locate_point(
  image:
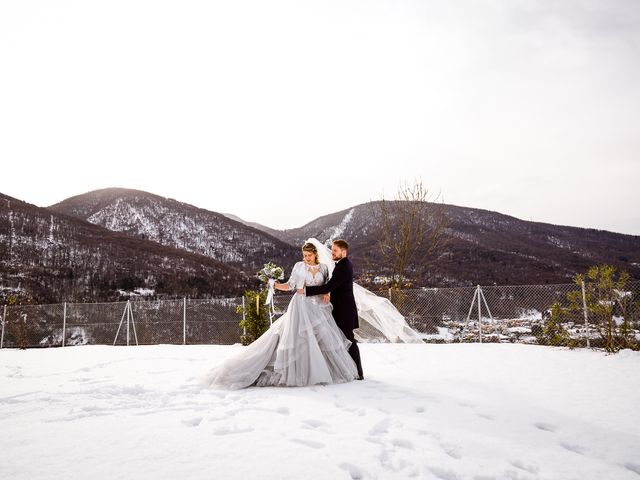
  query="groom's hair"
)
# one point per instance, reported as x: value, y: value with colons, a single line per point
x: 341, y: 244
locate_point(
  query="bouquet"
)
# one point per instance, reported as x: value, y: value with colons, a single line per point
x: 271, y: 272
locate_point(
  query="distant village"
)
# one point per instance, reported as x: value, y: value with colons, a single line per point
x: 514, y: 330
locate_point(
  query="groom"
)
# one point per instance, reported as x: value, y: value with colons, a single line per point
x: 340, y: 286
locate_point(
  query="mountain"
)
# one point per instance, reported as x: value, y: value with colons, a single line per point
x: 483, y: 247
x: 92, y: 246
x: 179, y: 225
x: 258, y: 226
x: 54, y: 257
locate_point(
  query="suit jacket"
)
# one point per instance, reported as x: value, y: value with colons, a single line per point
x: 340, y: 286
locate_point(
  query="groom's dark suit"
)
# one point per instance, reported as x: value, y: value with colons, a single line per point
x: 344, y: 312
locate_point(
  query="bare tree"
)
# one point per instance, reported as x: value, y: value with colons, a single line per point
x: 412, y: 230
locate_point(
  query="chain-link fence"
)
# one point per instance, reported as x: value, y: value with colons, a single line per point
x: 536, y: 314
x: 211, y: 321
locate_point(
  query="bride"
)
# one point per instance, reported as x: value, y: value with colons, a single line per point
x: 303, y: 347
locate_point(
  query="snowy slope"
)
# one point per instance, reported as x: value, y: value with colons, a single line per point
x: 176, y: 224
x: 449, y: 412
x: 483, y: 247
x: 54, y: 257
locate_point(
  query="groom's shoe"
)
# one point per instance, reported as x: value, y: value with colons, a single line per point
x: 360, y: 377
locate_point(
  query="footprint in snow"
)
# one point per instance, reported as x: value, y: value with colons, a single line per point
x: 486, y: 416
x: 633, y: 467
x: 192, y: 422
x: 572, y: 447
x: 435, y: 435
x: 522, y: 466
x: 400, y: 442
x: 443, y: 474
x: 389, y: 462
x: 232, y: 430
x: 356, y: 473
x: 313, y: 423
x: 547, y: 427
x: 381, y: 427
x: 452, y: 451
x: 308, y: 443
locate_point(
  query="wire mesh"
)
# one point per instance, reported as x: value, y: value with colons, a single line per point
x: 214, y: 321
x: 93, y: 323
x: 33, y: 326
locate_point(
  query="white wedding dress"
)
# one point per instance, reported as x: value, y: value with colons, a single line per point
x: 303, y: 347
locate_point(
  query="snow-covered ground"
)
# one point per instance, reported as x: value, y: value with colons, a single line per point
x: 449, y: 412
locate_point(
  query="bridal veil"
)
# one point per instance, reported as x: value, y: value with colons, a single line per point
x: 379, y: 319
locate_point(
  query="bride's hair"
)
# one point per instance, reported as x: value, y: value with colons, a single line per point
x: 310, y: 247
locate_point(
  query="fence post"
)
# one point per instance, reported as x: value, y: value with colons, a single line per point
x: 586, y: 315
x: 184, y: 321
x: 4, y: 318
x: 390, y: 290
x: 64, y: 323
x: 479, y: 314
x: 244, y: 317
x: 128, y: 315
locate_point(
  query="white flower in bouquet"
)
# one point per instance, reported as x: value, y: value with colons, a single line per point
x: 271, y: 272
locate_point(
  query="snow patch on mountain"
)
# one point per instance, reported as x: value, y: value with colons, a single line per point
x: 188, y: 228
x: 163, y: 225
x: 558, y: 242
x: 338, y: 230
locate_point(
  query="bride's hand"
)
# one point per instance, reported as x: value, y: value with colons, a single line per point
x: 326, y: 298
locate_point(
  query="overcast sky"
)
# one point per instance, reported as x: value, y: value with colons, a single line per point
x: 283, y: 111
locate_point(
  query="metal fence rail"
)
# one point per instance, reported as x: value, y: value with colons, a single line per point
x: 442, y: 315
